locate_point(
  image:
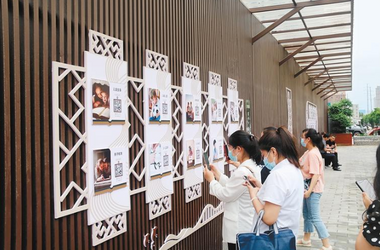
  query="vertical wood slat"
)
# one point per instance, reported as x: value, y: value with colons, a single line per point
x: 203, y: 33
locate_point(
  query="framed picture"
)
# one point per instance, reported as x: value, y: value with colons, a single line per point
x: 100, y: 100
x: 102, y: 171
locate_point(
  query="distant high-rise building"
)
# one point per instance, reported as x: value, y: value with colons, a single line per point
x: 376, y: 99
x: 355, y: 114
x: 337, y: 97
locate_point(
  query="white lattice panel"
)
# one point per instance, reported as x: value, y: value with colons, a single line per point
x: 108, y: 229
x: 232, y: 84
x: 104, y: 45
x: 69, y: 122
x: 157, y: 61
x: 190, y: 71
x: 193, y: 192
x: 241, y: 115
x: 208, y: 214
x: 215, y: 79
x: 160, y: 207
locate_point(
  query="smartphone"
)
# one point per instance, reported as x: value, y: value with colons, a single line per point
x: 205, y: 158
x: 366, y: 186
x: 226, y: 152
x: 246, y: 179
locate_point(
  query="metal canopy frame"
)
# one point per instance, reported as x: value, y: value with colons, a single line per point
x: 317, y: 34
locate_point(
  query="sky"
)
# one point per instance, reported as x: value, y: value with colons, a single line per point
x: 366, y: 51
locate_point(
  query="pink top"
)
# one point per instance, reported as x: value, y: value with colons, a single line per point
x: 312, y: 163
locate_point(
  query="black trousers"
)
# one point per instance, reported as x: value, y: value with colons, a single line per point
x: 231, y: 246
x: 330, y: 158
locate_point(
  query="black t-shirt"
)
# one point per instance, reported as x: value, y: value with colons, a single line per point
x: 371, y: 228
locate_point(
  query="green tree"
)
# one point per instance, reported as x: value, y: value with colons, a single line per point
x: 372, y: 118
x: 340, y: 114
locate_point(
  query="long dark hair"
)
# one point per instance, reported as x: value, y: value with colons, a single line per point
x: 248, y: 142
x: 283, y: 142
x: 315, y: 137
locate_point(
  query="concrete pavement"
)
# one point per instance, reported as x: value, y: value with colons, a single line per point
x: 341, y: 202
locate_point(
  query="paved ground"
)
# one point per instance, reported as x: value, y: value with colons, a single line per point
x: 341, y: 202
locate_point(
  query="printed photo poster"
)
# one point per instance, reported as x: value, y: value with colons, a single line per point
x: 158, y: 134
x: 107, y: 137
x: 233, y: 114
x: 192, y: 128
x: 311, y: 116
x: 159, y: 160
x: 290, y: 112
x: 216, y: 154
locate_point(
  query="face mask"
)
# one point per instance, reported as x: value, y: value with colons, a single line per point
x: 269, y: 165
x: 303, y: 143
x: 232, y: 157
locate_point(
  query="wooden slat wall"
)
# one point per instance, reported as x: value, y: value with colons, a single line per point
x: 215, y: 35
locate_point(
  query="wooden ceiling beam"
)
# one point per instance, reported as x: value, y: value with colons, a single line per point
x: 311, y: 28
x: 326, y: 55
x: 308, y: 66
x: 301, y: 39
x: 319, y: 85
x: 326, y: 59
x: 290, y: 5
x: 296, y: 46
x: 330, y: 68
x: 312, y: 79
x: 311, y: 16
x: 330, y: 96
x: 306, y: 51
x: 327, y: 92
x: 276, y: 23
x: 291, y: 55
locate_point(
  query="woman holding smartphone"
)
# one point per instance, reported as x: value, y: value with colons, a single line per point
x: 281, y: 195
x: 313, y: 171
x: 369, y: 235
x: 238, y: 211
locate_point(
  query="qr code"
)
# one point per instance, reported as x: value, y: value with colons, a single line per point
x: 196, y: 110
x: 117, y: 105
x: 219, y: 112
x: 166, y: 161
x: 220, y: 149
x: 118, y: 169
x: 165, y: 110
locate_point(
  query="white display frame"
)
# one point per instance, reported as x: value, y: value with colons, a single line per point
x: 311, y: 115
x: 289, y: 105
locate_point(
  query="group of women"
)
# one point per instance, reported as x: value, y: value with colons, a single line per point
x: 294, y: 184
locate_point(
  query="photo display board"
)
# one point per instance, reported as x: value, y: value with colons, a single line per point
x: 192, y: 127
x: 158, y: 134
x: 216, y: 142
x: 233, y: 110
x: 311, y: 116
x: 290, y: 111
x: 107, y: 130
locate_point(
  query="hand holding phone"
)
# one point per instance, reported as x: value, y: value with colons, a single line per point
x: 366, y: 186
x: 205, y: 158
x: 248, y: 181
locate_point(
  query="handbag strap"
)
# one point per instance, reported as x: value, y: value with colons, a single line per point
x: 256, y: 228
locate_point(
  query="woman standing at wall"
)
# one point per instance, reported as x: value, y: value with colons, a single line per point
x: 313, y: 171
x: 281, y: 195
x: 238, y: 211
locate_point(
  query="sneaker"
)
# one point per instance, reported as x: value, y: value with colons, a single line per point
x: 339, y: 164
x: 303, y: 243
x: 337, y: 169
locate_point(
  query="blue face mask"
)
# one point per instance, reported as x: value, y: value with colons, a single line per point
x: 269, y: 165
x: 303, y: 143
x: 232, y: 158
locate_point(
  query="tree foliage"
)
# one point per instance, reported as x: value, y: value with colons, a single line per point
x: 372, y: 118
x: 340, y: 114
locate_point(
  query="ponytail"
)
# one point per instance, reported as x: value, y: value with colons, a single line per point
x: 282, y: 140
x: 248, y: 142
x: 315, y: 138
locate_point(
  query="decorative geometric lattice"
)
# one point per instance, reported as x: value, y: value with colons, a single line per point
x: 177, y: 129
x: 208, y: 214
x: 232, y: 84
x: 241, y: 113
x: 205, y: 127
x: 108, y: 229
x: 104, y: 45
x: 214, y: 79
x: 157, y: 61
x: 190, y: 71
x: 193, y: 192
x: 59, y: 145
x: 160, y: 207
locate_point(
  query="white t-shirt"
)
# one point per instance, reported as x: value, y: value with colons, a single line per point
x: 284, y: 187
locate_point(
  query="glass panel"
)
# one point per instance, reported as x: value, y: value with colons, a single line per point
x: 333, y: 45
x: 290, y: 35
x: 330, y: 31
x: 288, y: 25
x: 270, y: 15
x: 262, y: 3
x: 326, y: 8
x: 334, y: 51
x: 328, y: 20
